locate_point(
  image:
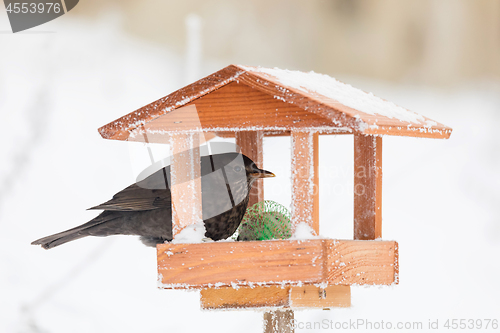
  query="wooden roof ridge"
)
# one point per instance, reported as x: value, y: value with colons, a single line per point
x: 364, y: 113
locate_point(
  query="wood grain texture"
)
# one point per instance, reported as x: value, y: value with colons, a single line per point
x: 305, y: 179
x: 234, y: 107
x: 251, y: 145
x: 244, y: 297
x: 151, y: 132
x: 240, y: 263
x: 362, y: 262
x: 367, y: 187
x: 310, y: 296
x: 185, y: 173
x: 316, y: 110
x: 283, y: 263
x: 306, y: 296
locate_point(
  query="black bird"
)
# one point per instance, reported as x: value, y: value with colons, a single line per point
x: 144, y: 208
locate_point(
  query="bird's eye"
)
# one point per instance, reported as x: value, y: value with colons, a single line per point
x: 238, y: 168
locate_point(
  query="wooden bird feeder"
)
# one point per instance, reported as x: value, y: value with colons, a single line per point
x: 248, y: 103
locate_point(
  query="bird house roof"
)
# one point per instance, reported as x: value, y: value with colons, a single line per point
x: 242, y: 98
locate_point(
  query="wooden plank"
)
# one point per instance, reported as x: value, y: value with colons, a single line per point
x: 367, y: 186
x: 439, y: 132
x: 305, y: 179
x: 150, y: 133
x: 244, y: 297
x: 240, y: 263
x: 310, y: 296
x: 225, y: 134
x: 251, y: 145
x: 306, y: 296
x: 185, y: 171
x: 279, y: 321
x: 277, y: 262
x: 362, y: 262
x: 234, y: 107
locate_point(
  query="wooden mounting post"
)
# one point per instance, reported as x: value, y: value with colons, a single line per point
x: 367, y: 187
x: 185, y: 173
x: 305, y: 191
x: 279, y: 321
x: 305, y: 179
x: 251, y: 145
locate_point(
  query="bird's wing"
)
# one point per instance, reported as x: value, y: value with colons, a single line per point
x: 136, y: 198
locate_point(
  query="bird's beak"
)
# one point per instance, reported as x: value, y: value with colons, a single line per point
x: 262, y: 174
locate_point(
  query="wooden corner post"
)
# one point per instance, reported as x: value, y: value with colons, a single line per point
x: 251, y: 145
x: 185, y: 172
x: 367, y: 187
x: 305, y: 179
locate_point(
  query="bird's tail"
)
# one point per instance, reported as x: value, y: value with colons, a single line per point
x: 58, y: 239
x: 74, y: 233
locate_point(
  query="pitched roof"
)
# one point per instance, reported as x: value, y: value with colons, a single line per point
x: 273, y: 100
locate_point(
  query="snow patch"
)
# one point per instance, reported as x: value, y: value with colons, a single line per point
x: 303, y: 231
x: 193, y: 233
x: 344, y: 93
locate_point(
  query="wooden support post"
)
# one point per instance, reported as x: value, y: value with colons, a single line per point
x: 305, y: 179
x: 185, y: 173
x: 305, y: 187
x: 251, y: 145
x: 279, y: 321
x: 367, y: 186
x: 316, y: 183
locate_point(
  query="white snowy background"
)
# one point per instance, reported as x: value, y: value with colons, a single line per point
x: 440, y: 197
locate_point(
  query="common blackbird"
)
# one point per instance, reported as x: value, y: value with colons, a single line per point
x: 144, y: 208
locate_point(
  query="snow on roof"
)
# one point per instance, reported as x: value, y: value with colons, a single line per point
x: 340, y: 105
x: 344, y: 93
